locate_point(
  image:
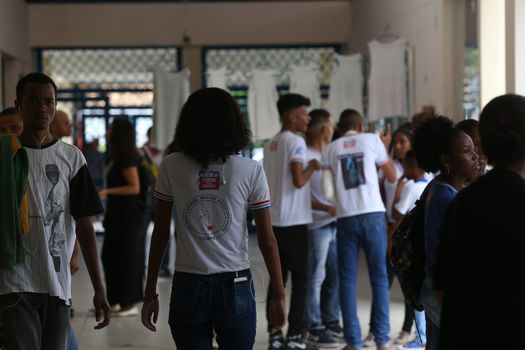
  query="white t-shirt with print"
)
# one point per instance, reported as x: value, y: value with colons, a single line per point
x: 320, y: 218
x: 354, y: 159
x: 60, y: 189
x: 410, y: 194
x: 212, y: 203
x: 291, y: 206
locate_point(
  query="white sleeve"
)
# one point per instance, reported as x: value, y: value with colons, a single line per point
x: 163, y: 190
x: 259, y: 197
x: 299, y: 151
x: 407, y: 199
x: 382, y: 155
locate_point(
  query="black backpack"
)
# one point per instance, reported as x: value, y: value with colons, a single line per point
x: 408, y: 253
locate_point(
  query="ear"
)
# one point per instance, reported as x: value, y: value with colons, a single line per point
x: 444, y: 160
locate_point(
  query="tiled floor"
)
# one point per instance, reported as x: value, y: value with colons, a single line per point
x: 128, y: 332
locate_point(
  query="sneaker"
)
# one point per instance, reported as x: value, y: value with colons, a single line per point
x: 368, y: 342
x: 134, y: 311
x: 402, y: 338
x: 319, y: 337
x: 296, y: 342
x: 386, y: 346
x: 413, y: 345
x: 336, y: 332
x: 276, y: 342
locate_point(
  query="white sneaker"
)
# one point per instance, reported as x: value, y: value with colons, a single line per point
x: 368, y: 342
x: 134, y: 311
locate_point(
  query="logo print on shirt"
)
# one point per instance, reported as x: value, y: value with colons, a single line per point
x: 349, y: 144
x: 273, y: 146
x: 209, y: 180
x: 299, y: 151
x: 207, y: 217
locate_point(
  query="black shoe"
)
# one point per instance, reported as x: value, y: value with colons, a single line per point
x: 276, y: 342
x: 297, y: 343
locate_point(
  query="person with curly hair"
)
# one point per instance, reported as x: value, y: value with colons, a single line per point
x: 440, y: 148
x: 212, y: 186
x: 482, y: 241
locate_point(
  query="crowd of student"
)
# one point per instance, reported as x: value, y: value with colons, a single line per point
x: 316, y: 201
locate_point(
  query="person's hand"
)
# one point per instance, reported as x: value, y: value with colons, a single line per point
x: 277, y: 313
x: 386, y: 137
x: 332, y: 211
x: 102, y: 194
x: 150, y: 309
x: 102, y: 308
x: 314, y: 164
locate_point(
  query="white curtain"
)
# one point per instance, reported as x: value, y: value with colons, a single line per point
x: 217, y: 78
x: 171, y: 90
x: 262, y: 104
x: 346, y: 85
x: 387, y: 85
x: 304, y: 81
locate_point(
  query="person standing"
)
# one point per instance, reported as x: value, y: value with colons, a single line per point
x: 123, y: 221
x: 353, y: 160
x: 35, y: 294
x: 288, y: 174
x: 323, y: 304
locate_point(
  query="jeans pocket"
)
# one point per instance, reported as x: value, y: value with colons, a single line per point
x: 238, y: 300
x: 184, y: 296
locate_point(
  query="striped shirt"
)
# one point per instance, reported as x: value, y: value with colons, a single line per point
x: 211, y: 204
x: 60, y: 189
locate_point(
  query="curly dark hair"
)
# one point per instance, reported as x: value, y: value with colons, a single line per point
x: 211, y: 127
x: 122, y: 140
x: 502, y: 130
x: 468, y: 126
x: 432, y: 139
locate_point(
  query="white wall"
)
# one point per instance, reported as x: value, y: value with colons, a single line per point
x: 433, y: 29
x: 13, y: 47
x: 224, y: 23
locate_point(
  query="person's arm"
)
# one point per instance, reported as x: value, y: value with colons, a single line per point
x: 301, y: 175
x: 86, y: 239
x: 131, y: 175
x: 159, y: 241
x: 270, y: 253
x: 327, y: 208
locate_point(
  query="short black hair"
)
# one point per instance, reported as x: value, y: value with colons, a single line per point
x: 432, y: 139
x: 350, y: 119
x: 502, y: 130
x: 9, y: 111
x: 468, y: 126
x: 36, y: 78
x: 290, y: 101
x: 211, y: 127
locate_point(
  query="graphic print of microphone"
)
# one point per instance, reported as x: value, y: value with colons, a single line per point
x: 53, y: 175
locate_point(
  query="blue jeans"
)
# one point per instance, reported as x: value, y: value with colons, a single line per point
x: 369, y: 231
x: 324, y: 280
x: 421, y: 326
x: 201, y: 304
x: 72, y: 343
x: 433, y: 311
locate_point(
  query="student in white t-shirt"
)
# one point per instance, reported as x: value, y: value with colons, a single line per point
x: 353, y: 160
x: 288, y: 174
x: 211, y: 187
x: 35, y: 292
x: 324, y: 311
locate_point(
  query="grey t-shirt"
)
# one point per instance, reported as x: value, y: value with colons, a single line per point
x: 211, y: 204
